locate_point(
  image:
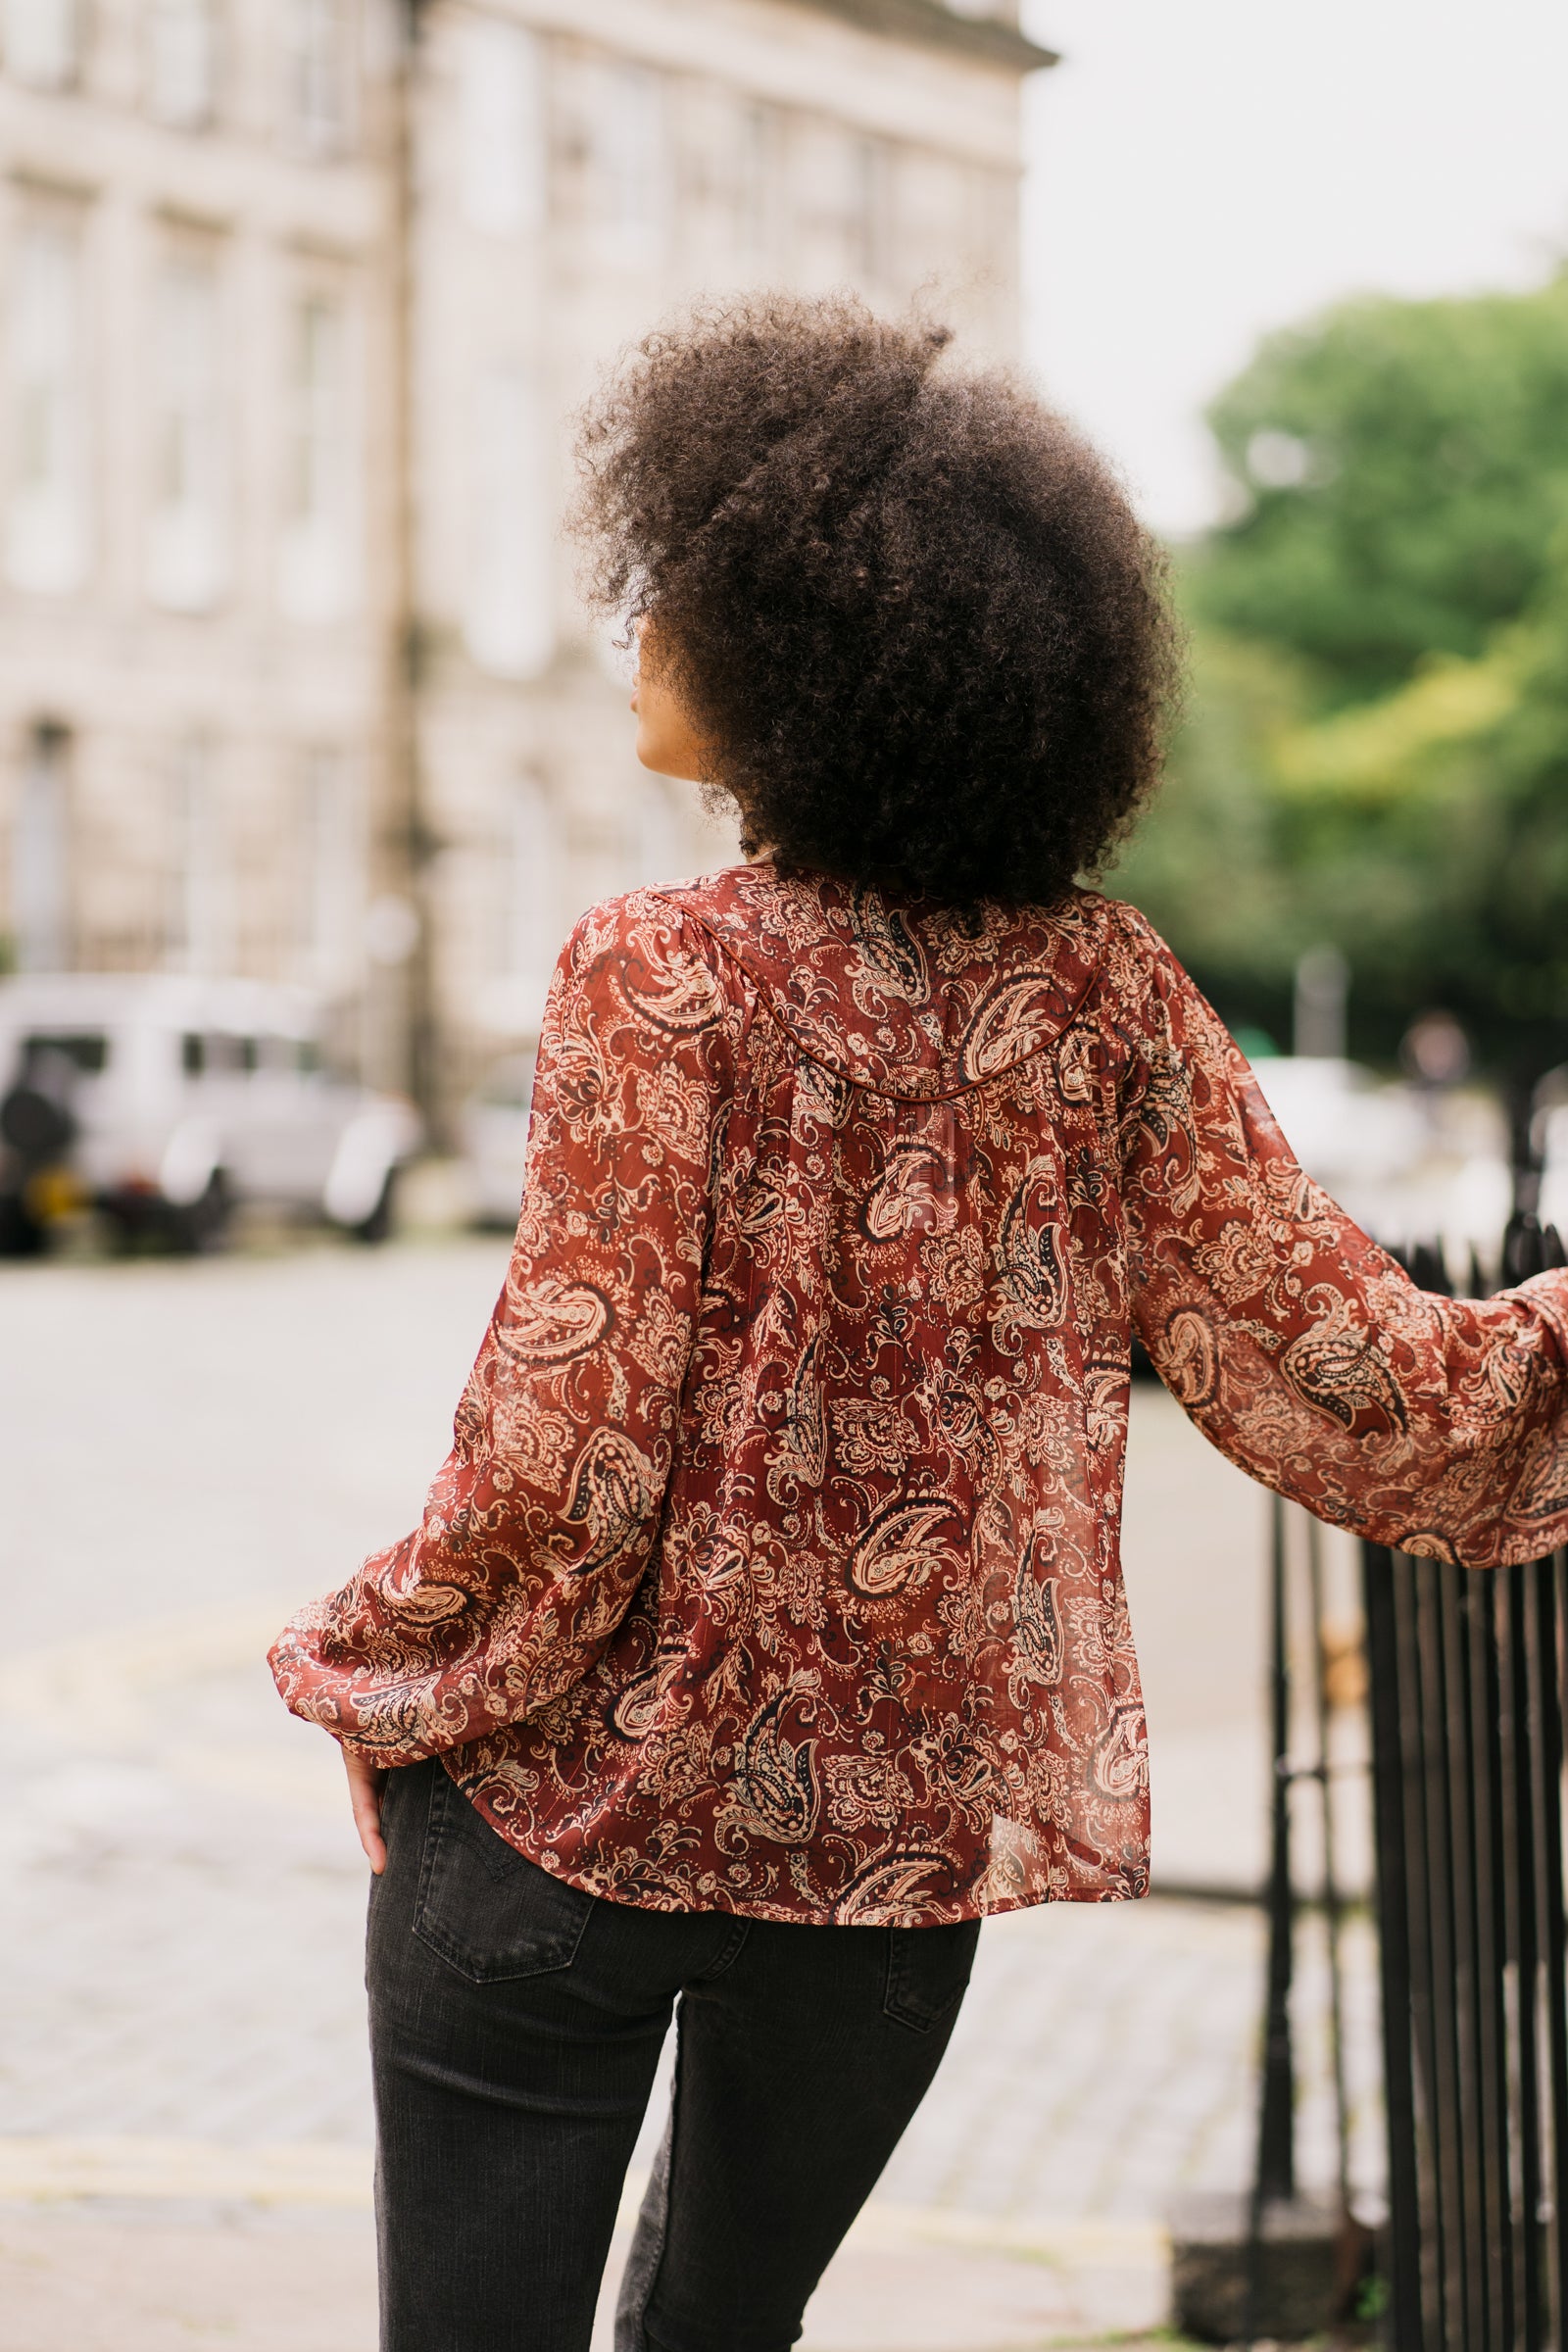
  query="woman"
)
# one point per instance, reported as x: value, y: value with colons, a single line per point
x: 765, y: 1628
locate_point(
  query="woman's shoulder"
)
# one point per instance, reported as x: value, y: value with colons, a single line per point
x: 667, y: 910
x: 646, y: 951
x: 1140, y: 965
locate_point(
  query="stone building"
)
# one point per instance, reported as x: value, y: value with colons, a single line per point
x: 194, y: 629
x: 297, y: 298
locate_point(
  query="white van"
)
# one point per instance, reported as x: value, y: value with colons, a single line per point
x: 160, y: 1101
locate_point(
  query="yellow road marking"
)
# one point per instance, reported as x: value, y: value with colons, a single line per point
x: 310, y: 2172
x: 321, y: 2172
x: 1085, y: 2243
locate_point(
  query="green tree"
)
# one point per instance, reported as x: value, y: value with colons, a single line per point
x: 1400, y: 471
x: 1431, y: 832
x: 1426, y: 834
x: 1210, y: 863
x: 1376, y: 753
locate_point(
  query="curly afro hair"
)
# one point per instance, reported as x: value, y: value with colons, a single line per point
x: 909, y: 610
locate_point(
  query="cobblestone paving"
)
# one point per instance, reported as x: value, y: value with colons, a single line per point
x: 190, y: 1448
x: 184, y: 1962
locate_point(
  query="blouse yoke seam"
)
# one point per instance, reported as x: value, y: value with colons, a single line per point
x: 892, y: 1094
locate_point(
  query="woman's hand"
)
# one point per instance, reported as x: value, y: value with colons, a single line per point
x: 366, y: 1784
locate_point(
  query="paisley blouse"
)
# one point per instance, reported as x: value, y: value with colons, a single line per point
x: 774, y: 1569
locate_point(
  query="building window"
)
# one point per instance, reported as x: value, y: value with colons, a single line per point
x: 629, y: 155
x: 319, y: 568
x: 331, y: 879
x: 185, y: 549
x: 759, y: 180
x: 200, y: 908
x: 527, y: 870
x: 319, y: 89
x: 531, y: 870
x: 40, y: 854
x: 503, y: 148
x: 47, y: 524
x: 42, y: 41
x: 872, y: 211
x: 182, y: 61
x: 510, y: 623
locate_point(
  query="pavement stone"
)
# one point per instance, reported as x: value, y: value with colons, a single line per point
x: 185, y: 2111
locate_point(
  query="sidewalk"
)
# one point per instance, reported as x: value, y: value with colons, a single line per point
x: 185, y: 2117
x: 292, y: 2281
x: 185, y: 2108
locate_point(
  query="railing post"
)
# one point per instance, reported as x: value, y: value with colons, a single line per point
x: 1276, y: 2137
x: 1406, y: 2331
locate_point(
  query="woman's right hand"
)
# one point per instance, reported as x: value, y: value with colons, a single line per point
x: 366, y: 1785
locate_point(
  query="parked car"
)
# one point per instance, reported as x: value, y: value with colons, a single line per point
x: 1409, y: 1164
x: 1344, y: 1124
x: 1550, y: 1136
x: 495, y: 1140
x: 162, y: 1100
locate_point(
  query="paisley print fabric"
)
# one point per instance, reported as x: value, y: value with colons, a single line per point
x: 774, y: 1569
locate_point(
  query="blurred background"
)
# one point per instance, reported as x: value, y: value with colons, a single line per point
x: 309, y: 759
x: 299, y: 303
x: 301, y: 298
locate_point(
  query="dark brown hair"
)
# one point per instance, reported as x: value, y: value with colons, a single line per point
x: 911, y: 612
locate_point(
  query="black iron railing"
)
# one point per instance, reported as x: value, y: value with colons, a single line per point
x: 1467, y: 1704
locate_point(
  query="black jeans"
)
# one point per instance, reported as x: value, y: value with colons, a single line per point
x: 515, y: 2027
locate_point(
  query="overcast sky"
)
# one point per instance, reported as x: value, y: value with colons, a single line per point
x: 1204, y: 169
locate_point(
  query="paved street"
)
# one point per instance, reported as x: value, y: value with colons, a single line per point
x: 184, y: 2102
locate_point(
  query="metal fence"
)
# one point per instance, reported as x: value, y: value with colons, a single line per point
x: 1468, y: 1683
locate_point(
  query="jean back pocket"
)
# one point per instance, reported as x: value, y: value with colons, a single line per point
x: 928, y: 1972
x: 484, y: 1908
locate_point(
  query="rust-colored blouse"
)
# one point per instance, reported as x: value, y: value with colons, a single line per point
x: 775, y: 1566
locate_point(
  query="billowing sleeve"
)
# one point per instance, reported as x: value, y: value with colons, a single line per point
x: 1299, y: 1347
x: 536, y: 1533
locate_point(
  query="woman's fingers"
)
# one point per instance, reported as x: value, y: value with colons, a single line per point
x: 366, y: 1784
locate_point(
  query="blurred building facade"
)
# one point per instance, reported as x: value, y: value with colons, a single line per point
x: 297, y: 298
